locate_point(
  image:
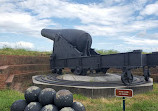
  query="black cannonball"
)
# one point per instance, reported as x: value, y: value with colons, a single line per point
x: 46, y: 96
x: 33, y: 106
x: 63, y: 98
x: 18, y: 105
x: 67, y: 109
x: 77, y: 106
x: 49, y: 107
x: 32, y: 93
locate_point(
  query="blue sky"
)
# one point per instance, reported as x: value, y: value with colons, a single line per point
x: 122, y: 25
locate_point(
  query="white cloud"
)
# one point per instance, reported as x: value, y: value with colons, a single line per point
x: 137, y: 41
x: 91, y: 13
x: 151, y: 9
x: 118, y: 29
x: 139, y: 4
x: 145, y: 35
x: 21, y: 23
x: 20, y: 44
x: 14, y: 19
x: 98, y: 19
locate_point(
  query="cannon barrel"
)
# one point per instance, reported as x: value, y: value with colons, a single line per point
x: 78, y: 38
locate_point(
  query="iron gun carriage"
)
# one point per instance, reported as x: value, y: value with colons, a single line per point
x: 72, y: 49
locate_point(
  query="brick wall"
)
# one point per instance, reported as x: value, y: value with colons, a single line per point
x: 16, y: 60
x: 22, y: 67
x: 3, y: 78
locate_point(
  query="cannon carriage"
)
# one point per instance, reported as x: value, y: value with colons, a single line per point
x: 72, y: 49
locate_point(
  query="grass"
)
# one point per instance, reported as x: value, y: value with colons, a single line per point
x: 26, y: 52
x: 7, y: 97
x: 140, y: 102
x: 104, y: 52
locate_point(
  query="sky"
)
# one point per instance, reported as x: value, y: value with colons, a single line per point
x: 122, y: 25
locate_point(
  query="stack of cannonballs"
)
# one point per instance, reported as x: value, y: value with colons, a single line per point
x: 47, y: 100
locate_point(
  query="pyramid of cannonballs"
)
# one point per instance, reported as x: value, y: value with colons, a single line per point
x: 47, y: 100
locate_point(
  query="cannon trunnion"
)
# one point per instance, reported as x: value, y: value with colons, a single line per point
x: 72, y: 49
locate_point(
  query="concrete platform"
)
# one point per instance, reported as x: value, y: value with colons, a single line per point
x: 92, y: 86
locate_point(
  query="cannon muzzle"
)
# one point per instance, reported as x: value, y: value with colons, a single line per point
x: 48, y: 33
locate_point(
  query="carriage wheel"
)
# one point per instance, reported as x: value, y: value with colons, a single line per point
x: 97, y: 70
x: 127, y: 77
x: 84, y: 72
x: 54, y: 70
x: 59, y: 71
x: 146, y: 74
x: 72, y: 70
x: 78, y: 70
x: 104, y: 70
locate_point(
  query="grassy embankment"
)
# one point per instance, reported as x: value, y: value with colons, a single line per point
x: 140, y: 102
x: 26, y: 52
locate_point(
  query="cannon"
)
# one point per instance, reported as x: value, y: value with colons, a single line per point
x: 72, y: 49
x: 69, y: 42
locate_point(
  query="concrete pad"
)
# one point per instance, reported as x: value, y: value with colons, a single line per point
x: 94, y: 87
x: 107, y: 77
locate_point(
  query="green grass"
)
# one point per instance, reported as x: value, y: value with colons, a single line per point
x: 104, y: 52
x: 26, y: 52
x: 7, y: 97
x: 140, y: 102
